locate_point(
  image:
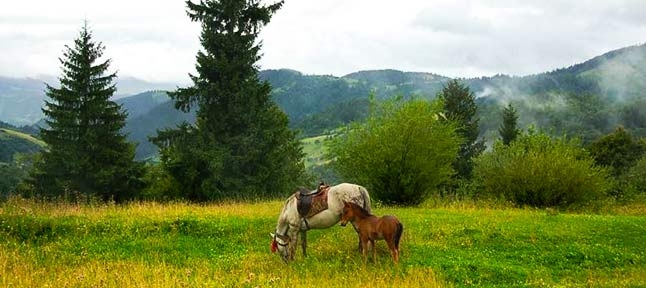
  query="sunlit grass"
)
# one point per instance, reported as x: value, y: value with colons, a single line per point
x: 147, y: 244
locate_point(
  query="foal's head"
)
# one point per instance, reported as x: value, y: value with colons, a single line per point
x: 350, y: 212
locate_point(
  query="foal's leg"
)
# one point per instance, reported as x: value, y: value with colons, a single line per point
x: 394, y: 250
x: 374, y: 250
x: 356, y: 229
x: 364, y: 249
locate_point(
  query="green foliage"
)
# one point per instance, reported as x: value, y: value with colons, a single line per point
x: 539, y: 171
x: 617, y: 150
x: 586, y: 116
x: 87, y: 154
x: 460, y: 106
x: 240, y: 145
x: 10, y: 176
x: 509, y: 128
x: 632, y: 184
x: 401, y: 153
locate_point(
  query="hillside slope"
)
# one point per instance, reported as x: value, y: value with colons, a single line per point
x: 12, y: 142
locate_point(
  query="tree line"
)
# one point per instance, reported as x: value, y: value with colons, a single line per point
x: 241, y: 147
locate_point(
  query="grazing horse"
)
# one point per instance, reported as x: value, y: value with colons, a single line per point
x: 371, y: 228
x: 291, y: 222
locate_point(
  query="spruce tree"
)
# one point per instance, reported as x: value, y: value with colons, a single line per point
x: 460, y: 106
x: 508, y: 129
x: 86, y: 152
x: 240, y: 145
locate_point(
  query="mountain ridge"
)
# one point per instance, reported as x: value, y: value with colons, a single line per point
x: 316, y: 103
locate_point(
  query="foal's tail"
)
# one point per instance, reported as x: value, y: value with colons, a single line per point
x: 398, y: 234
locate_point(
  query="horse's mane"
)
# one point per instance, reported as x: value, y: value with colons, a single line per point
x: 363, y: 212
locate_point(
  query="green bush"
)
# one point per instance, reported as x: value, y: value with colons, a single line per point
x: 401, y: 153
x: 539, y: 171
x: 160, y: 185
x: 633, y: 182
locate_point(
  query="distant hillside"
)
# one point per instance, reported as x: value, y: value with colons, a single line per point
x: 13, y: 141
x: 142, y: 103
x: 587, y: 99
x: 141, y: 127
x: 21, y: 99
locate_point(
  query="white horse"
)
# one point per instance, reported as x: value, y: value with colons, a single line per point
x: 290, y: 223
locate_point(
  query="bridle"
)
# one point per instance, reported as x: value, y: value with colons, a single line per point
x: 275, y: 243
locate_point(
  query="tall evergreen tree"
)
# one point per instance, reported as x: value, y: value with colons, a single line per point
x: 460, y: 106
x: 87, y: 153
x: 508, y: 129
x: 240, y: 145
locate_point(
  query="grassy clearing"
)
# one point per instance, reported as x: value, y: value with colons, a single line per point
x: 227, y: 245
x: 315, y: 149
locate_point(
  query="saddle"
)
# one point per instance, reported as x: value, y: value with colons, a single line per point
x: 310, y: 203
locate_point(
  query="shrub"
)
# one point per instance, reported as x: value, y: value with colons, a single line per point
x: 539, y: 171
x: 401, y: 153
x: 633, y: 182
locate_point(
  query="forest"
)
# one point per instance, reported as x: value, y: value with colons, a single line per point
x: 530, y: 181
x: 237, y: 130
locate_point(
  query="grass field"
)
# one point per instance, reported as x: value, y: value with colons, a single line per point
x: 227, y: 245
x: 314, y: 149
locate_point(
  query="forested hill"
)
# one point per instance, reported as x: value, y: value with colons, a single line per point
x: 587, y: 99
x: 613, y: 85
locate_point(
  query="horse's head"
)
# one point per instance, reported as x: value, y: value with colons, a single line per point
x: 279, y: 244
x: 347, y: 213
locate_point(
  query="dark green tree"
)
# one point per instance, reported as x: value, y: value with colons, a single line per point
x: 240, y: 145
x: 617, y: 150
x: 460, y: 106
x: 508, y: 129
x: 86, y: 152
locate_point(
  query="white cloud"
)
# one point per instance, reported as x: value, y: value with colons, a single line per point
x: 155, y: 40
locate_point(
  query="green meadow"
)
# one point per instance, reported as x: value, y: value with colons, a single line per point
x: 227, y: 245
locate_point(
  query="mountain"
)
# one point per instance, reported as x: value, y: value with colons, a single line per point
x: 142, y: 103
x: 21, y: 99
x: 161, y: 116
x: 587, y: 99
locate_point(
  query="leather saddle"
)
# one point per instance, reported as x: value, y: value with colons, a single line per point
x: 310, y: 203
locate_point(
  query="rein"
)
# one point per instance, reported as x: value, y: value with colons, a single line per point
x: 275, y: 244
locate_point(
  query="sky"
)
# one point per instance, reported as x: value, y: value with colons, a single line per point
x: 154, y: 40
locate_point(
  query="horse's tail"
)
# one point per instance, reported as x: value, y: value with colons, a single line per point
x: 398, y: 234
x: 366, y: 199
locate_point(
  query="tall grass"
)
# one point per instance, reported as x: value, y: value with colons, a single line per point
x: 227, y: 245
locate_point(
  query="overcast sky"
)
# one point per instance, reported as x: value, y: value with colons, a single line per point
x: 154, y: 40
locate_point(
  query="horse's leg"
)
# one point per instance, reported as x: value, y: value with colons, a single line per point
x: 293, y: 234
x: 304, y: 242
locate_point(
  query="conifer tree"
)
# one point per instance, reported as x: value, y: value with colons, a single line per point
x: 86, y: 152
x: 460, y: 106
x: 508, y: 129
x: 240, y: 145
